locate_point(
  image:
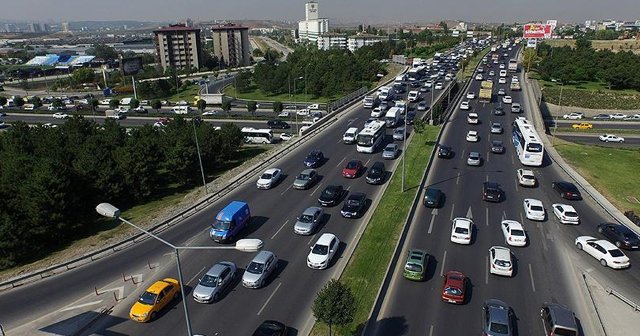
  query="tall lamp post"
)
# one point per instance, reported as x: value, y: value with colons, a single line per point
x: 555, y: 124
x: 244, y: 245
x: 195, y: 135
x: 404, y: 142
x: 295, y: 103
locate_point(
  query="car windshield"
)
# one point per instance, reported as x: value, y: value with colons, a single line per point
x: 353, y: 202
x: 413, y: 267
x: 499, y: 328
x: 453, y: 291
x: 209, y: 281
x: 528, y: 177
x: 536, y: 208
x: 517, y: 232
x: 461, y: 230
x: 255, y: 268
x: 303, y: 177
x: 571, y: 214
x: 320, y: 249
x: 616, y: 253
x: 503, y: 263
x: 329, y: 192
x: 352, y: 165
x: 389, y: 148
x: 148, y: 298
x: 266, y: 176
x: 306, y: 219
x: 221, y: 225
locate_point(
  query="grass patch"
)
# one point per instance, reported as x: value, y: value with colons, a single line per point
x: 594, y: 95
x: 598, y: 130
x: 471, y: 67
x: 613, y: 45
x: 611, y: 171
x: 368, y: 266
x: 258, y: 94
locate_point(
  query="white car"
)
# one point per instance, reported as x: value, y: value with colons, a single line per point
x: 501, y: 65
x: 286, y: 136
x: 283, y: 114
x: 604, y: 251
x: 474, y: 159
x: 104, y: 102
x: 565, y: 213
x: 514, y: 233
x: 479, y: 77
x: 502, y: 80
x: 514, y: 78
x: 507, y: 100
x: 60, y: 115
x: 574, y: 116
x: 464, y: 105
x: 611, y: 138
x: 500, y: 262
x: 515, y: 108
x: 461, y: 230
x: 439, y: 86
x: 533, y: 209
x: 269, y: 178
x: 471, y: 95
x: 619, y: 116
x: 472, y: 136
x: 633, y: 117
x: 323, y: 251
x: 303, y: 112
x: 472, y: 118
x: 209, y: 113
x: 526, y: 178
x: 141, y: 109
x: 376, y: 112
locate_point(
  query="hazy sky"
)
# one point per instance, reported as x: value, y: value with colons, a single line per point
x: 366, y: 11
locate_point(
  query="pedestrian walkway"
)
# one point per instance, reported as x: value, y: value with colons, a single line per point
x: 618, y: 317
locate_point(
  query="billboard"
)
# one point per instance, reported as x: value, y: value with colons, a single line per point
x: 131, y: 66
x: 536, y: 30
x: 532, y: 43
x: 553, y: 24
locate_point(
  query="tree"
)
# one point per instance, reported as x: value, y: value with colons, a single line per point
x: 583, y: 43
x: 335, y: 304
x: 56, y: 103
x: 93, y: 104
x: 528, y: 58
x: 277, y: 107
x: 445, y: 28
x: 103, y: 51
x: 243, y: 81
x: 156, y: 105
x: 83, y: 75
x: 226, y: 105
x: 36, y: 101
x: 18, y: 101
x: 113, y: 103
x: 252, y: 107
x: 3, y: 101
x: 134, y: 103
x: 202, y: 104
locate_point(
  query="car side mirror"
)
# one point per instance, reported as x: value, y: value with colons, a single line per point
x: 311, y: 247
x: 330, y: 251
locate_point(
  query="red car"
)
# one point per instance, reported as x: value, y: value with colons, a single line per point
x: 352, y: 169
x: 454, y: 287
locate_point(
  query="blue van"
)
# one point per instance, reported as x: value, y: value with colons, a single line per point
x: 230, y: 221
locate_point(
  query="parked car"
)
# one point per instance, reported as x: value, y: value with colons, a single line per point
x: 602, y: 116
x: 215, y: 282
x: 376, y: 173
x: 454, y: 287
x: 618, y: 116
x: 620, y: 235
x: 154, y: 299
x: 323, y: 251
x: 354, y: 205
x: 415, y: 266
x: 308, y: 221
x: 305, y: 179
x: 603, y: 251
x: 567, y: 190
x: 259, y: 269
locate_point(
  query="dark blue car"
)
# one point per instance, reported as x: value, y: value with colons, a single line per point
x: 314, y: 159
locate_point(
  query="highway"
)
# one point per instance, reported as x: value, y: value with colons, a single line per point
x: 544, y: 269
x: 287, y: 297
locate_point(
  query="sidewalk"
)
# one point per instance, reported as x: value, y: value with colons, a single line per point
x: 617, y: 316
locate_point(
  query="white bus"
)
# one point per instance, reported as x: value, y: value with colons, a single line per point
x: 371, y: 136
x: 257, y: 136
x: 513, y: 65
x: 528, y: 145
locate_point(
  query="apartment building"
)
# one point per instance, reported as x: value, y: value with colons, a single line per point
x: 178, y: 46
x: 231, y: 45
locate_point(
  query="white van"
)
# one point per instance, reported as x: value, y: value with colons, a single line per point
x: 350, y: 135
x: 28, y: 107
x: 181, y: 109
x: 125, y: 101
x: 503, y: 73
x: 413, y: 96
x: 392, y: 118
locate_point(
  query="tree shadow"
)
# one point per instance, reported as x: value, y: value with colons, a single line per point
x: 395, y: 325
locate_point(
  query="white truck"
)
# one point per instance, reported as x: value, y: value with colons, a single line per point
x: 385, y: 93
x: 114, y: 114
x: 370, y: 101
x: 392, y: 118
x: 350, y: 135
x: 125, y: 101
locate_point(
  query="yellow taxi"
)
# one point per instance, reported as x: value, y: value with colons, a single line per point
x: 584, y: 125
x: 156, y: 297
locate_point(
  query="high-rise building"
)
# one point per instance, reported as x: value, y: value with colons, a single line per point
x: 178, y: 46
x: 33, y: 28
x: 231, y: 45
x: 313, y: 26
x: 65, y: 27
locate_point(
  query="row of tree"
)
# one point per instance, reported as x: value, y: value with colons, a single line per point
x: 52, y: 178
x: 619, y: 70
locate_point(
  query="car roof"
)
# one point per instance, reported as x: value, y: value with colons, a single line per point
x: 473, y: 132
x: 565, y: 207
x: 216, y: 269
x: 566, y: 185
x: 391, y: 145
x: 262, y: 257
x: 454, y: 281
x: 159, y: 285
x: 462, y: 222
x: 357, y: 194
x: 607, y: 245
x: 514, y: 225
x: 533, y: 201
x: 491, y: 185
x: 326, y: 238
x: 498, y: 310
x: 526, y: 171
x: 501, y: 252
x: 311, y: 210
x: 378, y: 164
x: 307, y: 171
x: 561, y: 315
x: 417, y: 255
x: 271, y: 170
x: 474, y: 154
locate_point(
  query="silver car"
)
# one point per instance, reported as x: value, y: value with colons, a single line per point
x: 259, y: 269
x: 398, y: 133
x: 305, y: 179
x: 496, y: 128
x: 310, y: 218
x: 217, y: 279
x: 497, y: 318
x: 390, y: 151
x: 474, y: 159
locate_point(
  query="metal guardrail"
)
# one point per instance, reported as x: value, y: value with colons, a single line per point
x: 623, y: 298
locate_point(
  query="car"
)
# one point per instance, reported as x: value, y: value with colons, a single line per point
x: 497, y: 147
x: 323, y: 251
x: 502, y: 80
x: 471, y: 95
x: 619, y: 116
x: 501, y: 92
x: 565, y: 213
x: 314, y: 159
x: 526, y: 177
x: 269, y: 178
x: 215, y: 282
x: 303, y: 112
x: 398, y: 133
x: 566, y: 190
x: 611, y: 138
x: 474, y: 159
x: 306, y: 179
x: 422, y: 106
x: 391, y: 151
x: 352, y: 169
x: 496, y: 128
x: 513, y: 233
x: 497, y: 318
x: 445, y: 152
x: 376, y: 173
x: 60, y: 115
x: 558, y: 320
x: 424, y: 89
x: 472, y: 118
x: 454, y: 287
x: 479, y: 77
x: 411, y: 116
x: 491, y: 192
x: 308, y: 221
x: 464, y: 105
x: 604, y: 251
x: 533, y: 209
x: 276, y: 123
x: 283, y: 114
x: 633, y: 117
x: 574, y: 116
x: 286, y: 136
x: 415, y: 267
x: 354, y: 205
x: 584, y: 125
x: 461, y: 230
x: 492, y: 73
x: 502, y: 65
x: 515, y: 108
x: 433, y: 198
x: 472, y: 136
x: 259, y: 269
x: 620, y: 235
x: 331, y: 195
x: 507, y: 99
x: 500, y: 261
x: 271, y: 328
x: 154, y: 299
x: 439, y: 86
x: 498, y: 110
x: 140, y: 109
x: 602, y: 116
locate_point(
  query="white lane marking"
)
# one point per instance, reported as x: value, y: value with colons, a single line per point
x: 434, y: 213
x: 316, y: 189
x: 195, y: 276
x: 463, y: 150
x: 513, y: 162
x: 504, y: 215
x: 542, y: 235
x: 533, y: 285
x: 469, y: 214
x: 269, y: 299
x: 521, y: 218
x: 289, y: 187
x: 311, y: 238
x: 431, y: 330
x: 458, y: 178
x: 516, y: 184
x: 486, y: 275
x: 80, y: 306
x: 486, y: 178
x: 488, y: 156
x: 283, y: 224
x: 341, y: 161
x: 487, y: 214
x: 452, y: 206
x: 367, y: 163
x: 444, y: 259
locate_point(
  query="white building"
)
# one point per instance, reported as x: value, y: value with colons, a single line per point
x: 312, y: 26
x: 355, y: 42
x: 328, y: 41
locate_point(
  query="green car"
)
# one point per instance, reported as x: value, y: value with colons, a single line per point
x: 416, y: 265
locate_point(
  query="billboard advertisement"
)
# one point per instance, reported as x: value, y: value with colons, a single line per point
x: 536, y: 30
x: 131, y: 66
x: 532, y: 43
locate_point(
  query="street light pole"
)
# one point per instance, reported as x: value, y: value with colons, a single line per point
x: 295, y: 103
x: 555, y: 125
x: 195, y: 135
x: 404, y: 143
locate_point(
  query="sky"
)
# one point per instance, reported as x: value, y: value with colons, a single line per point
x: 345, y: 11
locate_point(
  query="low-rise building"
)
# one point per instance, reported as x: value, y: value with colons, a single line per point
x: 328, y: 41
x: 356, y: 42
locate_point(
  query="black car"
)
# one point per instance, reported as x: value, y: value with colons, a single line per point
x: 399, y: 89
x: 331, y: 195
x: 271, y: 328
x: 498, y: 110
x: 497, y: 147
x: 275, y: 123
x: 314, y: 159
x: 567, y: 190
x: 491, y: 192
x: 433, y: 198
x: 444, y: 152
x: 415, y: 84
x: 411, y: 115
x: 354, y: 205
x: 620, y: 235
x: 375, y: 174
